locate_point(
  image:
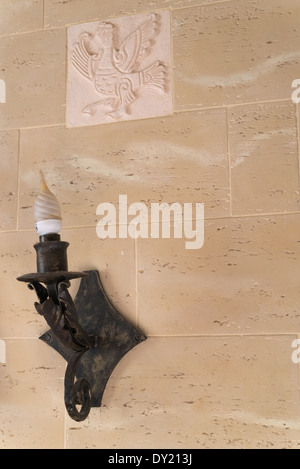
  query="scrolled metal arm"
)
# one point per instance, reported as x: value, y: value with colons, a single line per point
x: 77, y: 393
x: 59, y: 311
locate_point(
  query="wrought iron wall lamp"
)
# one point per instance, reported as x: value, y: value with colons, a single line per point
x: 88, y: 332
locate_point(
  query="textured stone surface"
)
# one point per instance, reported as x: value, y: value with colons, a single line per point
x: 264, y: 158
x: 19, y: 16
x: 61, y: 12
x: 181, y: 161
x: 9, y: 142
x: 234, y: 52
x: 32, y: 411
x: 205, y: 392
x: 243, y: 280
x: 33, y: 67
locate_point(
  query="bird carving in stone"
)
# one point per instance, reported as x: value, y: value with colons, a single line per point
x: 117, y: 74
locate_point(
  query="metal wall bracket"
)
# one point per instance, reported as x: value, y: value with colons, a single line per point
x: 88, y: 332
x: 92, y: 367
x: 115, y: 336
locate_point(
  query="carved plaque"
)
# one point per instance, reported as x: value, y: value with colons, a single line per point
x: 119, y: 69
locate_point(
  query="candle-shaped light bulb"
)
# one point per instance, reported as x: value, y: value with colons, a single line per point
x: 46, y: 210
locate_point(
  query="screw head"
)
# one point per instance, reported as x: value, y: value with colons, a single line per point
x: 48, y: 337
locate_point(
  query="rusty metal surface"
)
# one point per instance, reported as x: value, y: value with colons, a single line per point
x: 114, y: 338
x: 51, y: 262
x: 51, y: 277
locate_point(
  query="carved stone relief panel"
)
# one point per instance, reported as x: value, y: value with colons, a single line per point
x: 119, y: 69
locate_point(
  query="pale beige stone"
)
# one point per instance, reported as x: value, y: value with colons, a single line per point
x: 175, y: 159
x: 201, y: 392
x: 9, y: 144
x: 233, y: 52
x: 298, y: 129
x: 60, y: 12
x: 243, y: 280
x: 33, y: 68
x: 18, y: 317
x: 119, y: 69
x: 115, y: 261
x: 18, y: 16
x: 31, y: 396
x: 264, y: 158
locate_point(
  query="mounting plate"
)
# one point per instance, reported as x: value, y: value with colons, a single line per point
x: 116, y: 336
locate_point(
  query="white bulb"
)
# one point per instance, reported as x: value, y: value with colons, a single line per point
x: 46, y: 210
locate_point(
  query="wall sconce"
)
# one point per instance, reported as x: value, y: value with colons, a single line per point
x: 88, y: 332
